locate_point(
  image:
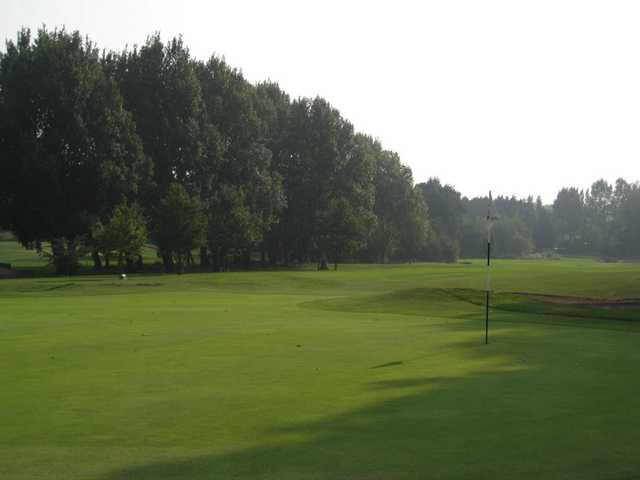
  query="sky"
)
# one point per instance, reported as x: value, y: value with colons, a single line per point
x: 518, y: 97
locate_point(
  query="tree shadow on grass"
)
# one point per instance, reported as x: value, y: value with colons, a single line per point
x: 510, y: 421
x: 396, y: 363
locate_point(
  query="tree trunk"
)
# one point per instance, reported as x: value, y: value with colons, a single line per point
x: 97, y: 263
x: 167, y: 261
x: 204, y: 257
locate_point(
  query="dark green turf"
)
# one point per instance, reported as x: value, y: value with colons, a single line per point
x: 365, y: 373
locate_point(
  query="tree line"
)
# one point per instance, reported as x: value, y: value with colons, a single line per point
x: 102, y: 152
x: 602, y: 220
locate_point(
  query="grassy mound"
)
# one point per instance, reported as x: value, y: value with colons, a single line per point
x: 470, y: 304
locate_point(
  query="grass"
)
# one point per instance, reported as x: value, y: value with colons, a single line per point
x: 366, y: 373
x: 21, y: 259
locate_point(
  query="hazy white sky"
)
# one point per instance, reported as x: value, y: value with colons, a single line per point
x: 515, y: 96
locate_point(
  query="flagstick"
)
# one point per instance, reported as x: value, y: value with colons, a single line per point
x: 486, y: 310
x: 488, y: 285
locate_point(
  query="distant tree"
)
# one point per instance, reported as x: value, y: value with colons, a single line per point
x: 179, y: 227
x: 621, y: 191
x: 68, y: 148
x: 520, y: 220
x: 123, y: 235
x: 402, y: 225
x: 599, y: 216
x: 569, y: 216
x: 446, y: 212
x: 440, y: 247
x: 543, y: 232
x: 511, y: 237
x: 415, y: 227
x: 473, y: 243
x: 627, y: 223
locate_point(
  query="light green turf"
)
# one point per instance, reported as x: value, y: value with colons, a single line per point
x: 366, y: 373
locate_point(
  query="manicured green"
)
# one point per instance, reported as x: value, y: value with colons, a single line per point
x: 370, y: 372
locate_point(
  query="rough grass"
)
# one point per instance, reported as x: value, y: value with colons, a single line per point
x: 365, y: 373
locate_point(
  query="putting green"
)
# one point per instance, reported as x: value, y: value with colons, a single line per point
x: 366, y: 373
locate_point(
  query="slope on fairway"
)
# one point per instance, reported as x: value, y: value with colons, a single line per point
x: 355, y: 374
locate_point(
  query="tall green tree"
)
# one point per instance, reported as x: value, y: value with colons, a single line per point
x: 69, y: 151
x: 511, y: 237
x: 232, y: 229
x: 161, y: 88
x: 122, y: 236
x: 180, y: 227
x: 543, y: 232
x: 325, y: 164
x: 626, y: 230
x: 446, y: 212
x: 599, y: 216
x: 343, y: 230
x: 401, y: 227
x: 569, y: 217
x: 247, y: 166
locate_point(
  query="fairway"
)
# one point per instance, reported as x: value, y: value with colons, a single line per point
x: 367, y: 373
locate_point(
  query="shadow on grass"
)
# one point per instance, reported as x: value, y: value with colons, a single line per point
x: 466, y: 304
x: 389, y: 364
x: 407, y: 437
x: 513, y: 420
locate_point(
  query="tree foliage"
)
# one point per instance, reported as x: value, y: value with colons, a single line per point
x: 180, y: 226
x: 122, y: 236
x: 68, y: 147
x: 90, y: 144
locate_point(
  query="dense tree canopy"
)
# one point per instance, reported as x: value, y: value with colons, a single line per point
x: 122, y: 236
x: 179, y: 227
x: 68, y: 147
x: 235, y: 172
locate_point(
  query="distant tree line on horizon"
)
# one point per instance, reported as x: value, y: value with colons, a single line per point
x: 101, y: 152
x: 602, y: 221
